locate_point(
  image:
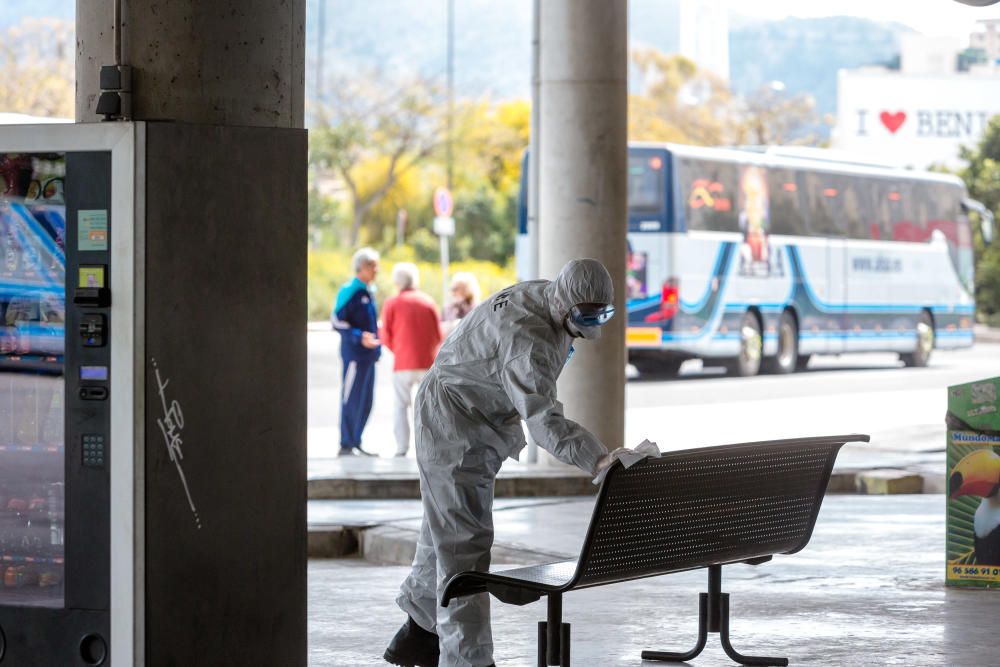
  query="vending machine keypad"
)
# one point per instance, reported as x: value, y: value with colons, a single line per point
x: 93, y: 450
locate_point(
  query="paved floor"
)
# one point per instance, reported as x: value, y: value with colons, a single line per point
x: 868, y: 590
x: 901, y: 408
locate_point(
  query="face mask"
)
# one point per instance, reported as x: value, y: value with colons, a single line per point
x: 589, y: 333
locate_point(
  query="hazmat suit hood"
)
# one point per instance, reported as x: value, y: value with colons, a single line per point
x: 579, y: 281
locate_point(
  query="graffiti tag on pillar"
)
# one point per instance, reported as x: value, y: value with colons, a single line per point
x: 171, y: 425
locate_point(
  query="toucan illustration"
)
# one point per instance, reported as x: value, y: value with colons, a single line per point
x: 978, y: 474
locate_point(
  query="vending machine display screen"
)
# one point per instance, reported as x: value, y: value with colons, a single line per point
x: 32, y: 347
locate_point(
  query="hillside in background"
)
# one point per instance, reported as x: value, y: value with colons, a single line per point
x: 493, y: 43
x: 805, y: 54
x: 13, y: 11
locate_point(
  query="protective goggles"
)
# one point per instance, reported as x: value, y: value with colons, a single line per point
x: 591, y: 314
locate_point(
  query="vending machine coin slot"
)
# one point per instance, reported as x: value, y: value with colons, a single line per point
x: 93, y: 329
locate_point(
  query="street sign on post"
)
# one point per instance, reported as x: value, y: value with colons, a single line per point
x: 444, y: 226
x: 444, y: 205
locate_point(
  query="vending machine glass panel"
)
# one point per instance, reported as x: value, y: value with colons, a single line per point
x: 32, y: 341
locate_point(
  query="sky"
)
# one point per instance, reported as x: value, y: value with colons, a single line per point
x: 931, y: 17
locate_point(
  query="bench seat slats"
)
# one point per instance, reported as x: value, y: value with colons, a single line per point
x: 552, y: 575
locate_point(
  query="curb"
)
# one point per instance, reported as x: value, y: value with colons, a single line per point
x: 388, y: 544
x: 332, y: 541
x: 888, y: 482
x: 408, y: 488
x: 393, y: 545
x: 985, y: 334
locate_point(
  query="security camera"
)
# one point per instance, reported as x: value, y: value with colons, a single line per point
x: 978, y: 3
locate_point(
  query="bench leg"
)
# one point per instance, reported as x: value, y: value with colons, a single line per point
x: 668, y: 656
x: 564, y: 643
x: 713, y: 616
x: 553, y: 636
x: 731, y: 652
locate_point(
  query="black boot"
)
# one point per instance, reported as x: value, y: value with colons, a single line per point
x: 413, y: 647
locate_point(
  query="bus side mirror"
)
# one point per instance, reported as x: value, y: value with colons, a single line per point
x: 985, y: 216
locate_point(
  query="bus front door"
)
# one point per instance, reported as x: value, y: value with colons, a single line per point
x: 836, y: 275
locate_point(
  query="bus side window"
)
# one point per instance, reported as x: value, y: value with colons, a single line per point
x: 851, y: 206
x: 787, y: 203
x: 709, y: 189
x: 821, y: 193
x: 902, y: 219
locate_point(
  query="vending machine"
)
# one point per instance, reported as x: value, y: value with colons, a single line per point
x: 152, y: 395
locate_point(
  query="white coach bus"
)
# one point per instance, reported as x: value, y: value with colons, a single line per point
x: 758, y: 259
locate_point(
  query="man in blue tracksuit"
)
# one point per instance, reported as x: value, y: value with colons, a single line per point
x: 355, y: 319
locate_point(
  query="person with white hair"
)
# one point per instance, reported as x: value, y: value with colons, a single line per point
x: 354, y: 317
x: 464, y: 296
x: 411, y: 330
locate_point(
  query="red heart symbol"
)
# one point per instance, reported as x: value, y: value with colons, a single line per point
x: 893, y: 121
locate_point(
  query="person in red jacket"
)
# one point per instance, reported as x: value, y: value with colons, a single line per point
x: 411, y: 330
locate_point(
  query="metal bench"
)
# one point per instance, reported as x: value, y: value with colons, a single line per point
x: 684, y: 510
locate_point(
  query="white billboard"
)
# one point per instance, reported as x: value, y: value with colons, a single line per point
x: 912, y: 120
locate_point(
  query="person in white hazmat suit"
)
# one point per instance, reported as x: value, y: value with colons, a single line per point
x: 497, y: 368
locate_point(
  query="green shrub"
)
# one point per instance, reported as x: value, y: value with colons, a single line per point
x: 329, y: 269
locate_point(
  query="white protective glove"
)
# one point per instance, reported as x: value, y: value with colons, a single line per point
x: 605, y: 461
x: 628, y: 457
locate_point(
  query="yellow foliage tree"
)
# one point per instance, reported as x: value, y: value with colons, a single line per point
x: 678, y: 102
x: 490, y: 140
x: 395, y: 127
x: 36, y: 68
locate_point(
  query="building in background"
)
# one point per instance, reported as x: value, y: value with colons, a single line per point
x: 695, y: 29
x: 923, y: 54
x: 940, y: 99
x: 703, y: 35
x: 987, y: 42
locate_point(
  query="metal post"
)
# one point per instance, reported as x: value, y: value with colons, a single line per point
x: 444, y: 269
x: 553, y: 630
x: 714, y: 594
x: 320, y: 49
x: 451, y: 84
x: 534, y: 154
x: 534, y: 148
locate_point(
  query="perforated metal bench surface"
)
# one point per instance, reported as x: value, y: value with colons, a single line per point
x: 697, y: 508
x: 684, y: 510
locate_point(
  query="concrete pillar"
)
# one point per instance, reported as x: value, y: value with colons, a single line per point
x: 582, y: 213
x: 224, y: 62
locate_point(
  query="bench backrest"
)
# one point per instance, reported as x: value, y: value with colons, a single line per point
x: 707, y: 506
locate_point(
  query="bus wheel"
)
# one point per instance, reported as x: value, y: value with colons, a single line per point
x: 751, y: 347
x: 787, y: 359
x: 925, y: 343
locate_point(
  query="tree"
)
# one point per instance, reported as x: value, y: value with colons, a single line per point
x: 681, y: 103
x: 490, y: 141
x: 771, y: 117
x: 36, y: 68
x: 372, y: 135
x: 982, y: 178
x: 678, y: 101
